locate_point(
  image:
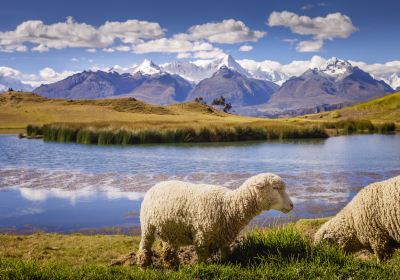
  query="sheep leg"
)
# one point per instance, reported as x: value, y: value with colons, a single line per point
x: 380, y: 248
x: 169, y: 255
x: 144, y: 253
x: 202, y: 253
x: 225, y: 252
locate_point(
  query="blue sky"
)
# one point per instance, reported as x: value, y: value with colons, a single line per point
x: 367, y: 31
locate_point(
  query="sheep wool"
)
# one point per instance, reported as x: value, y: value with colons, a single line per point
x: 370, y: 221
x: 207, y: 216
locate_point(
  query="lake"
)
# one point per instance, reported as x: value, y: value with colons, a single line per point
x: 70, y: 187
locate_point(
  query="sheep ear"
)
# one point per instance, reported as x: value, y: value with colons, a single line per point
x: 260, y: 185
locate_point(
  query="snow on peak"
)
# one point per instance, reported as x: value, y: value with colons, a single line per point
x: 148, y: 67
x: 394, y: 81
x: 228, y: 61
x: 336, y: 67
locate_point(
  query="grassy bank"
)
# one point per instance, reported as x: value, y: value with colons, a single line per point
x: 284, y: 252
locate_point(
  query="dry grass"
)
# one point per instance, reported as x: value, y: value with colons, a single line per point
x: 72, y: 249
x: 17, y: 110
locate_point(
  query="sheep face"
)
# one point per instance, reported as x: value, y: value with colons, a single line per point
x: 337, y: 231
x: 272, y: 194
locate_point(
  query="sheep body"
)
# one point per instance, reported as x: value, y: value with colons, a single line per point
x: 371, y: 220
x: 207, y: 216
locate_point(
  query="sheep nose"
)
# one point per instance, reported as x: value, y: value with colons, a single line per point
x: 291, y: 205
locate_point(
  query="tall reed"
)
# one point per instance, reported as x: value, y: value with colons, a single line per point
x: 86, y: 134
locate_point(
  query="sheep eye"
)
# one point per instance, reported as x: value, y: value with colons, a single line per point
x: 276, y: 188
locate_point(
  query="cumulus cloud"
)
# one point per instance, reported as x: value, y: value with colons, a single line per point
x: 71, y: 34
x: 228, y: 31
x: 181, y: 47
x: 388, y: 72
x: 132, y: 31
x: 309, y: 46
x: 171, y: 46
x: 294, y: 68
x: 245, y: 48
x: 335, y: 25
x: 45, y: 76
x: 215, y: 53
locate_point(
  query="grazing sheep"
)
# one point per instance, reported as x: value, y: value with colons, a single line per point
x: 370, y: 221
x: 206, y: 216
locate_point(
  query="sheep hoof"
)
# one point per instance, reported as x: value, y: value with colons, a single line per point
x: 144, y: 258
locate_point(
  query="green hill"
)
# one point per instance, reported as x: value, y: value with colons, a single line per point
x: 384, y: 109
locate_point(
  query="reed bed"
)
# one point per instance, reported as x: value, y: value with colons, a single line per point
x: 351, y: 126
x: 103, y: 135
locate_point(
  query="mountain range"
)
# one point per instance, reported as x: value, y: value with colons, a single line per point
x: 254, y: 91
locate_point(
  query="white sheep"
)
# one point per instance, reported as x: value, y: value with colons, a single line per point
x: 206, y: 216
x: 370, y: 221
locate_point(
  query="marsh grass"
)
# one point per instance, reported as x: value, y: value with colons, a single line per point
x: 351, y: 126
x: 103, y: 135
x: 282, y: 252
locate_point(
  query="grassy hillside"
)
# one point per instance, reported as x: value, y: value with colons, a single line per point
x: 145, y: 123
x: 129, y: 121
x: 383, y: 109
x: 285, y: 252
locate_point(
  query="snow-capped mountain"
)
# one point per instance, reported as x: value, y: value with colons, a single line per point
x: 334, y: 83
x: 158, y: 87
x: 187, y: 70
x: 201, y: 69
x: 235, y: 87
x: 147, y: 67
x: 336, y: 68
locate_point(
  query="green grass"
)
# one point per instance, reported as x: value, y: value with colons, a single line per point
x: 284, y: 252
x: 384, y: 109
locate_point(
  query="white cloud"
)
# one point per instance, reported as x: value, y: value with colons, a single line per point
x: 309, y: 46
x: 294, y: 68
x: 9, y: 72
x: 123, y: 48
x: 335, y: 25
x: 109, y: 50
x: 91, y: 50
x: 228, y: 31
x: 183, y: 55
x: 245, y: 48
x: 74, y: 59
x: 165, y: 45
x: 214, y: 53
x: 132, y: 31
x: 71, y: 34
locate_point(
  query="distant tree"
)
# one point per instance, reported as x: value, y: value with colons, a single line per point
x: 10, y: 89
x: 227, y: 107
x: 200, y: 100
x: 219, y: 101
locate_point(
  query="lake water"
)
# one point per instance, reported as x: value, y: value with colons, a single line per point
x: 70, y: 187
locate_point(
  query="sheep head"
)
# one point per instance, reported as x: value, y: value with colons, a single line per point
x: 338, y: 231
x: 270, y: 192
